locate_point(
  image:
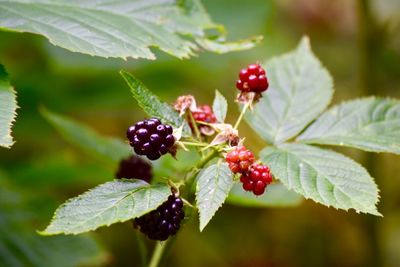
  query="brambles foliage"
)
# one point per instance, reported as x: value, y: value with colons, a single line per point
x: 300, y: 89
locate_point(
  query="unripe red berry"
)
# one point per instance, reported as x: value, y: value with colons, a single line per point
x: 239, y: 159
x: 256, y: 179
x: 252, y: 79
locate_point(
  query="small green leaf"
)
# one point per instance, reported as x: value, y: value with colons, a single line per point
x: 220, y: 106
x: 326, y: 177
x: 300, y: 89
x: 8, y: 107
x: 107, y: 148
x: 119, y: 28
x: 153, y: 106
x: 213, y: 186
x: 106, y: 204
x: 276, y: 195
x: 371, y: 124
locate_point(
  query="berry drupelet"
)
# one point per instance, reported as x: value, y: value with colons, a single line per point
x: 239, y: 159
x: 256, y: 179
x: 163, y: 222
x: 252, y: 79
x: 134, y: 167
x: 151, y: 138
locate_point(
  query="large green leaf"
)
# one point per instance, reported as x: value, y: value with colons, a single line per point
x: 107, y: 148
x: 118, y: 28
x: 112, y: 202
x: 8, y: 105
x: 213, y: 186
x: 152, y: 105
x: 276, y: 195
x: 324, y: 176
x: 300, y: 89
x: 372, y: 124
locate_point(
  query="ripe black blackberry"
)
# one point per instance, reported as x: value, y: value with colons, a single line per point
x: 163, y: 222
x: 151, y: 138
x: 252, y: 79
x: 135, y: 167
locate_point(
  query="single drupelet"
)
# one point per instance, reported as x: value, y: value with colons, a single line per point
x: 151, y: 138
x: 134, y: 167
x: 163, y: 222
x: 256, y: 179
x: 252, y: 79
x: 239, y: 159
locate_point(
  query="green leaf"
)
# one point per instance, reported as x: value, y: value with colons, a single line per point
x: 107, y: 148
x: 300, y: 89
x: 213, y: 186
x: 118, y: 28
x: 112, y: 202
x: 371, y: 124
x: 224, y: 47
x: 326, y: 177
x: 8, y: 106
x: 220, y: 106
x: 276, y: 195
x: 153, y: 106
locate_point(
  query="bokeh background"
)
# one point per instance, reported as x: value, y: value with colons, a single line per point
x: 357, y: 40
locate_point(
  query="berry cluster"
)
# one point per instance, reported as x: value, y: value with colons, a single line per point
x: 252, y: 79
x: 134, y: 167
x: 203, y: 113
x: 255, y: 177
x: 163, y: 222
x: 151, y: 138
x: 239, y: 159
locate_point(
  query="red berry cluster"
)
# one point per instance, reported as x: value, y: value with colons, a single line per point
x: 239, y: 159
x: 255, y: 177
x: 252, y: 79
x: 203, y: 113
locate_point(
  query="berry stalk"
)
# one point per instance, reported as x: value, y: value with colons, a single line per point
x: 157, y: 253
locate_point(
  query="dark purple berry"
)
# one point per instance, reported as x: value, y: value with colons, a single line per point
x: 163, y: 222
x: 151, y: 138
x: 134, y: 167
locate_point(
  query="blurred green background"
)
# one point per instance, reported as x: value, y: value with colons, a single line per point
x: 358, y: 41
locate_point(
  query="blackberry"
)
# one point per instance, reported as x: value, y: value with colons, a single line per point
x: 256, y: 179
x: 252, y: 79
x: 134, y: 167
x: 239, y: 159
x: 163, y: 222
x: 151, y: 138
x: 203, y: 113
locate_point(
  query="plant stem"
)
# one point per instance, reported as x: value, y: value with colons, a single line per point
x: 245, y: 108
x: 157, y: 253
x: 195, y: 128
x: 194, y: 144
